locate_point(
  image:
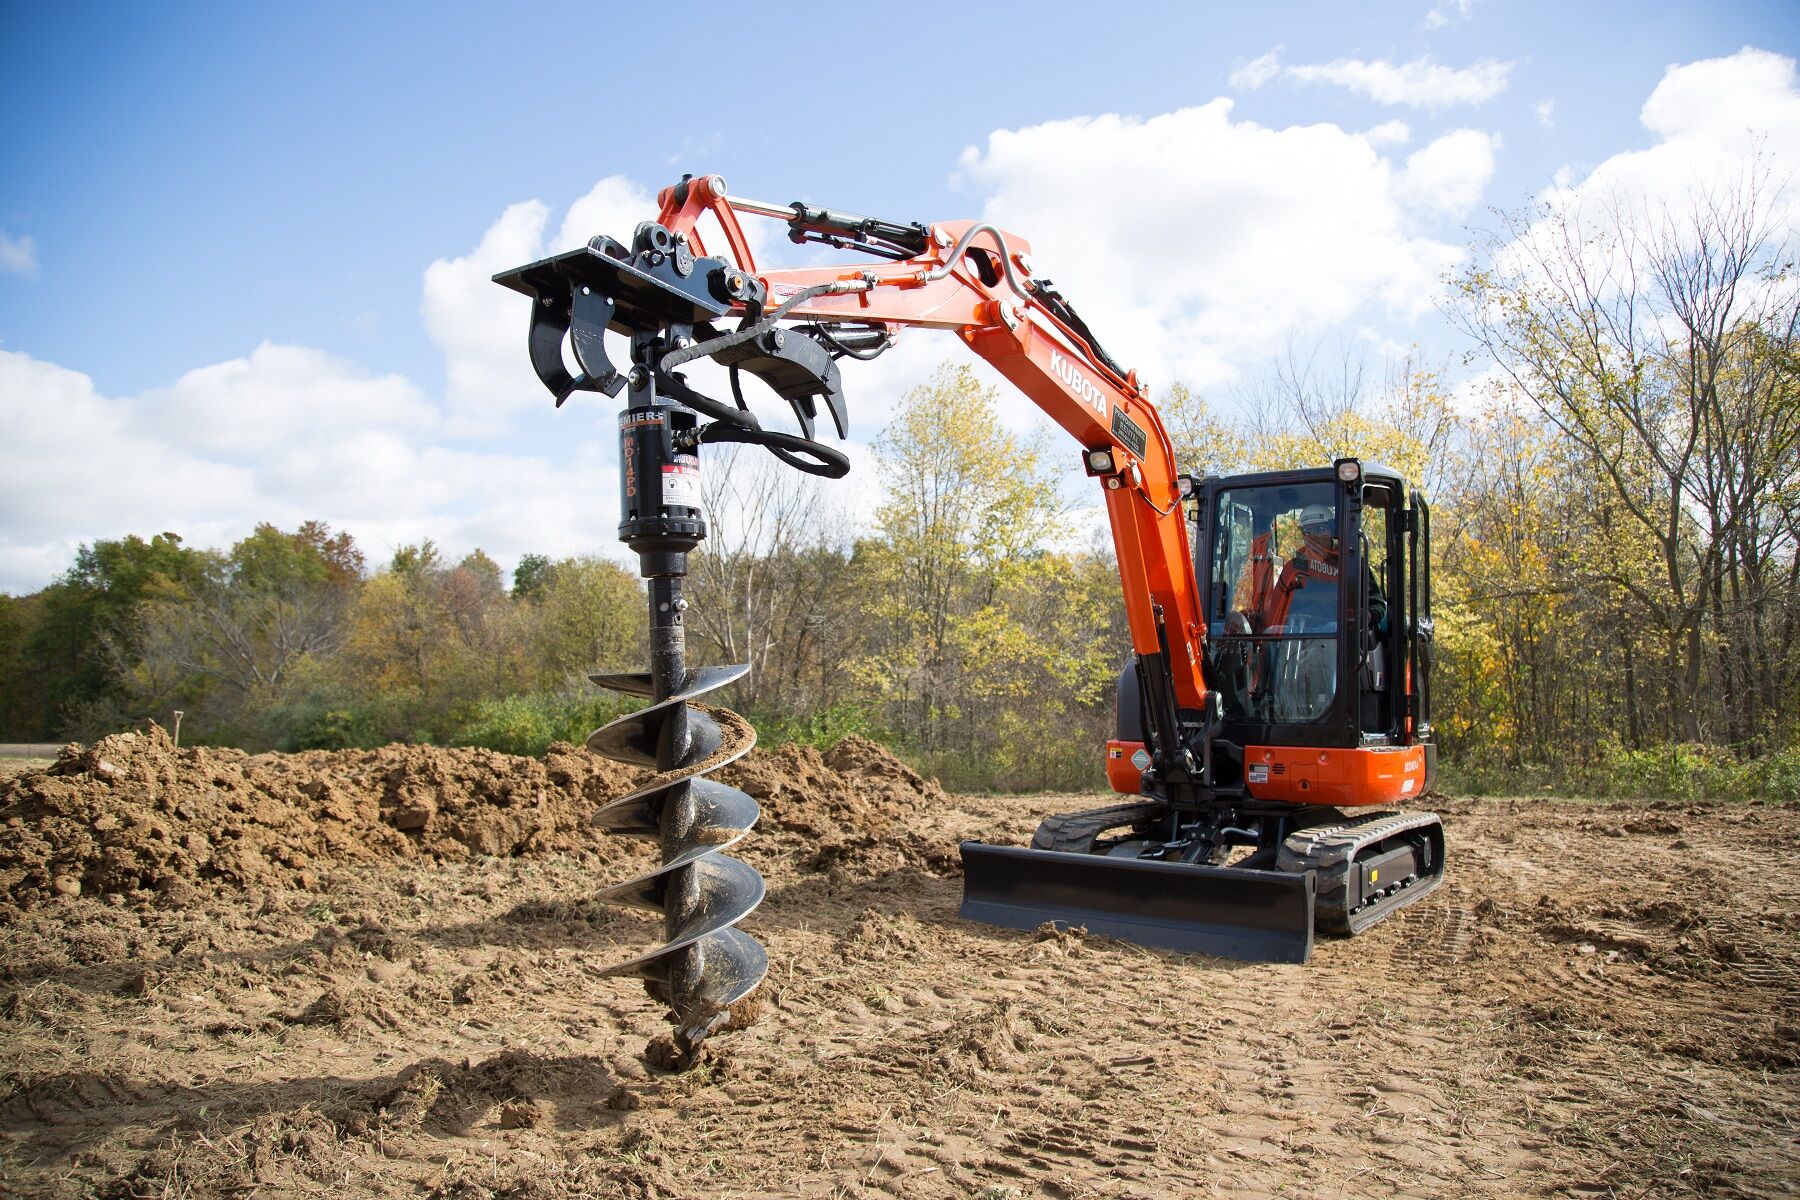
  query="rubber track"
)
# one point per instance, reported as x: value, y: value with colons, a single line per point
x: 1076, y: 832
x: 1330, y: 851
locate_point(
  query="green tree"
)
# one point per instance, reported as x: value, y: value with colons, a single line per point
x: 530, y: 575
x: 587, y: 614
x: 226, y: 643
x: 82, y: 636
x: 968, y: 503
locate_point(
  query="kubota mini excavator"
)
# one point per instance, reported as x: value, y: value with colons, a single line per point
x: 1276, y: 700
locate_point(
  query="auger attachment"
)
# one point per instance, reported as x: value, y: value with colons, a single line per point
x: 704, y: 965
x: 665, y: 298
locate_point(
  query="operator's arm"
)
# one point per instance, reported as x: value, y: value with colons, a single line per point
x: 1378, y: 605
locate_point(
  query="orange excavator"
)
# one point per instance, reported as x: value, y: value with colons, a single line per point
x: 1276, y: 701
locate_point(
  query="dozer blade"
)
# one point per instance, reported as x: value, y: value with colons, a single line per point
x: 1258, y: 916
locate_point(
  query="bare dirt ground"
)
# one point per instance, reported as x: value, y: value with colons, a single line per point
x: 375, y: 974
x: 10, y: 767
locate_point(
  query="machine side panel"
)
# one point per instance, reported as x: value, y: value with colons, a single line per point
x: 1341, y: 778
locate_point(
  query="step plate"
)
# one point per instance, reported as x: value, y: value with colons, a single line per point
x: 1256, y: 916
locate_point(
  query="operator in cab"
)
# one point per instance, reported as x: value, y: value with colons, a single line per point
x: 1304, y: 596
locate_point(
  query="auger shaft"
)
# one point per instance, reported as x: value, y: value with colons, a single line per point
x: 663, y: 297
x: 668, y: 677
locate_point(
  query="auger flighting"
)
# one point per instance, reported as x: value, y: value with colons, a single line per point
x: 661, y: 296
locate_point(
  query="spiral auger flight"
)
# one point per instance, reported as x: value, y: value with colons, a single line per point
x: 704, y: 965
x: 665, y: 298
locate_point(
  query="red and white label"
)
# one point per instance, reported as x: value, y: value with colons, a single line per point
x: 680, y: 485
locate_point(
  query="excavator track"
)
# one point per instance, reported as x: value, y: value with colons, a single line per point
x: 1367, y: 868
x: 1076, y: 832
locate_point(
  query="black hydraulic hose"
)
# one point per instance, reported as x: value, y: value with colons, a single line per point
x: 803, y: 454
x: 866, y: 354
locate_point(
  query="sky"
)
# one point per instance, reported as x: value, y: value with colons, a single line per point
x: 244, y: 249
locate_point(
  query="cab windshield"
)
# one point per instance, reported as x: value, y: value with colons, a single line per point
x: 1273, y: 602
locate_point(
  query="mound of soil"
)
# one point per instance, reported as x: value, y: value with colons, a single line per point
x: 132, y: 813
x: 854, y: 807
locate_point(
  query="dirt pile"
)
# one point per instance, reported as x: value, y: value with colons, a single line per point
x: 133, y: 813
x: 853, y: 808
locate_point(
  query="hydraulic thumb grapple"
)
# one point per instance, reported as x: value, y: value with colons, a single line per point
x: 1277, y: 693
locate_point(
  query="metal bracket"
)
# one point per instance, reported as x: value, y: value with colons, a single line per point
x: 798, y: 369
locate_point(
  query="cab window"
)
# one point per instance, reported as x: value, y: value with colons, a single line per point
x: 1274, y: 601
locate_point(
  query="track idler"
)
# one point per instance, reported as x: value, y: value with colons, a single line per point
x: 704, y: 965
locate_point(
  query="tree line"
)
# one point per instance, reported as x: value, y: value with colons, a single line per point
x: 1616, y: 517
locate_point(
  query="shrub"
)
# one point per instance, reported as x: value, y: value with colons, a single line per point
x: 527, y: 724
x: 823, y: 730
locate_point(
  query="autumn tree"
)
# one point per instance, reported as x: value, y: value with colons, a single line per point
x: 1658, y: 342
x: 769, y: 585
x: 968, y: 504
x: 227, y: 640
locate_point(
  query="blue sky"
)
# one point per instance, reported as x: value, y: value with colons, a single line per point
x: 186, y: 188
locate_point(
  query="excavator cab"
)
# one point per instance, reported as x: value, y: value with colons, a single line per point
x: 1315, y: 593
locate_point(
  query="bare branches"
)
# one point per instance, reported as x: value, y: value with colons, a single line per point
x: 1655, y: 341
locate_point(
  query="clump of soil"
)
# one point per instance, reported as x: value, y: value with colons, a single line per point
x: 134, y: 813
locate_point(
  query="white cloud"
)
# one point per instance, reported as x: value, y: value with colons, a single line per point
x: 1257, y: 71
x: 1725, y: 131
x: 1709, y: 119
x: 1545, y: 111
x: 1445, y: 11
x: 1449, y: 175
x: 480, y: 326
x: 76, y: 471
x: 278, y: 400
x: 18, y: 255
x: 1420, y: 83
x: 1389, y: 133
x: 314, y: 437
x: 1249, y: 235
